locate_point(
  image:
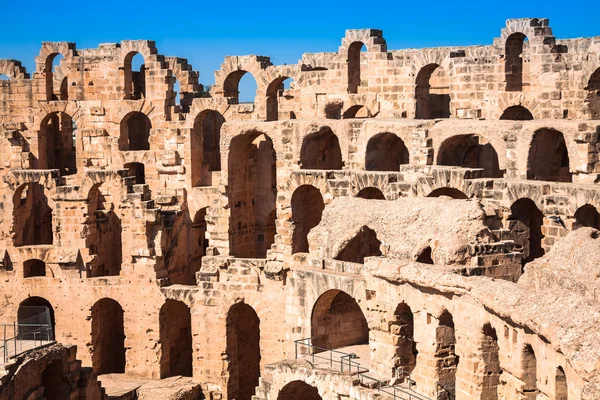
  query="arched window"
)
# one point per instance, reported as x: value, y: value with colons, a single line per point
x: 108, y: 337
x: 205, y: 146
x: 364, y: 244
x: 385, y: 152
x: 307, y: 210
x: 243, y: 351
x: 321, y: 150
x: 104, y: 236
x: 529, y: 378
x: 56, y: 144
x: 371, y: 193
x: 470, y: 151
x: 32, y: 216
x: 241, y: 86
x: 548, y: 157
x: 356, y: 57
x: 587, y: 215
x: 135, y: 76
x: 593, y: 96
x: 432, y: 93
x: 34, y: 268
x: 491, y: 363
x: 337, y: 321
x: 280, y: 100
x: 135, y: 132
x: 517, y: 113
x: 175, y: 339
x: 561, y: 389
x: 446, y: 359
x: 448, y: 192
x: 525, y: 222
x: 57, y: 85
x: 516, y: 63
x: 402, y: 329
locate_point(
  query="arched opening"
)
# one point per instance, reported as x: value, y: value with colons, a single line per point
x: 280, y: 99
x: 32, y: 216
x: 298, y: 390
x: 525, y: 222
x: 385, y: 152
x: 108, y: 337
x: 364, y: 244
x: 243, y: 351
x: 357, y: 111
x: 448, y: 192
x: 205, y: 147
x: 371, y: 193
x: 252, y: 190
x: 135, y: 132
x: 241, y: 86
x: 529, y: 378
x: 57, y: 84
x: 587, y: 215
x: 176, y: 92
x: 55, y: 386
x: 104, y: 236
x: 337, y: 321
x: 470, y: 151
x: 516, y: 64
x: 34, y: 268
x: 39, y: 312
x: 307, y: 210
x: 136, y: 171
x: 402, y: 329
x: 446, y: 360
x: 56, y: 144
x: 491, y: 363
x: 321, y: 150
x: 425, y: 256
x: 432, y: 93
x: 355, y: 59
x: 135, y: 76
x: 199, y: 231
x: 548, y: 157
x: 593, y: 96
x: 175, y: 339
x: 561, y: 389
x: 517, y: 113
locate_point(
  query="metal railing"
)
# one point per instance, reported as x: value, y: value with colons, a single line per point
x: 321, y: 356
x: 18, y: 338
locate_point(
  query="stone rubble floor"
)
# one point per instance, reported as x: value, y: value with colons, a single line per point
x: 125, y: 387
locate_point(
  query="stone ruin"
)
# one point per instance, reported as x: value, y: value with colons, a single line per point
x: 426, y: 219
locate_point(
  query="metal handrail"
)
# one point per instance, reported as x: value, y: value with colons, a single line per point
x: 397, y: 392
x: 41, y: 333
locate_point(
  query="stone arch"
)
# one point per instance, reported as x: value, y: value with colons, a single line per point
x: 371, y: 193
x: 279, y: 100
x: 243, y: 351
x: 134, y: 82
x: 593, y: 95
x: 402, y: 328
x: 32, y: 216
x: 176, y: 356
x: 529, y: 375
x: 517, y: 113
x: 432, y: 93
x: 386, y: 152
x: 13, y: 69
x: 135, y: 132
x: 561, y: 388
x: 586, y: 215
x: 354, y: 66
x: 298, y: 390
x: 34, y: 268
x: 44, y: 60
x: 187, y: 80
x: 337, y: 321
x: 232, y: 70
x: 321, y: 150
x: 37, y: 311
x: 307, y: 209
x: 516, y: 63
x: 525, y: 221
x: 232, y: 81
x: 56, y: 143
x: 357, y: 111
x: 205, y: 146
x: 548, y: 158
x: 449, y: 192
x: 53, y: 382
x: 446, y: 360
x: 252, y: 191
x: 491, y: 363
x: 470, y: 151
x: 363, y: 244
x: 508, y: 100
x: 108, y: 337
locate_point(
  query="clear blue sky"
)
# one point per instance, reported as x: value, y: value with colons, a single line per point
x: 206, y: 31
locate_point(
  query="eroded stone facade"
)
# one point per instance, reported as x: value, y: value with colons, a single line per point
x: 187, y: 233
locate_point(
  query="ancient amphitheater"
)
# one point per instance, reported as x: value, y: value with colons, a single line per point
x: 392, y: 224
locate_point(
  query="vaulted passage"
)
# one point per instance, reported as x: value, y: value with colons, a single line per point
x: 593, y: 95
x: 548, y: 157
x: 385, y: 152
x: 55, y: 385
x: 243, y: 351
x: 448, y: 192
x: 135, y: 132
x: 587, y: 215
x: 175, y: 339
x: 108, y: 337
x: 445, y: 357
x: 36, y: 311
x: 561, y: 389
x: 432, y: 93
x: 371, y: 193
x: 32, y: 216
x: 337, y: 321
x: 525, y: 222
x: 402, y: 329
x: 321, y: 150
x: 298, y: 390
x: 470, y: 151
x: 56, y: 144
x: 354, y: 66
x: 516, y: 65
x: 252, y: 194
x: 307, y: 210
x: 364, y: 244
x: 33, y: 268
x: 491, y: 363
x: 517, y: 113
x: 205, y: 147
x: 529, y: 378
x: 104, y: 236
